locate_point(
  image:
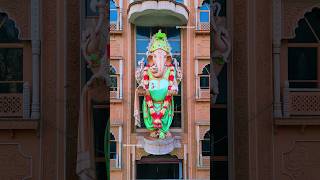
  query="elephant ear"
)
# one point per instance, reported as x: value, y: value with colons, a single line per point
x: 169, y: 59
x: 150, y: 59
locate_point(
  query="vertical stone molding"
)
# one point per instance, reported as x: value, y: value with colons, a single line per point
x: 286, y: 100
x: 120, y: 147
x: 35, y: 42
x: 121, y: 79
x: 196, y: 13
x: 120, y: 15
x: 276, y: 57
x: 26, y: 100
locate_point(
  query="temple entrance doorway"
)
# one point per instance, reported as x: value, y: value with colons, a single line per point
x: 159, y: 167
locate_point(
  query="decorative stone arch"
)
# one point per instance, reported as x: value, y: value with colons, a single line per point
x: 112, y: 66
x: 140, y: 152
x: 10, y: 19
x: 203, y: 66
x: 114, y: 133
x: 292, y: 14
x: 178, y: 152
x: 200, y: 3
x: 203, y: 133
x: 116, y: 2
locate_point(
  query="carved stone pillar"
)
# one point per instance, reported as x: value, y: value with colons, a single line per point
x: 120, y: 14
x: 133, y: 162
x: 121, y: 79
x: 197, y: 78
x: 26, y: 100
x: 35, y: 42
x: 276, y: 57
x: 120, y: 147
x: 196, y: 13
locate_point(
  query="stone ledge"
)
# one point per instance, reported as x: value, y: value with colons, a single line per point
x: 295, y: 121
x: 8, y: 123
x: 159, y: 146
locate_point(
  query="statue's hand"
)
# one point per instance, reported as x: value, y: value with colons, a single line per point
x: 141, y: 91
x: 174, y: 90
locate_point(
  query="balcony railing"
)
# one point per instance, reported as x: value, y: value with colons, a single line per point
x: 301, y: 101
x: 16, y: 103
x: 203, y: 26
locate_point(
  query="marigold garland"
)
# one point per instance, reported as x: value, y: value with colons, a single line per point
x: 158, y: 116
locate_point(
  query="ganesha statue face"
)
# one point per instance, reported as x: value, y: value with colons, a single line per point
x: 158, y: 79
x: 158, y: 61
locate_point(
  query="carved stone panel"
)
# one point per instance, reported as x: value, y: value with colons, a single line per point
x: 293, y: 11
x: 202, y: 110
x: 302, y: 161
x: 115, y: 46
x: 14, y: 163
x: 11, y: 104
x: 203, y: 46
x: 19, y: 12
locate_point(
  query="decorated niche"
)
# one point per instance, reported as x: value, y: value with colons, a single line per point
x: 158, y: 81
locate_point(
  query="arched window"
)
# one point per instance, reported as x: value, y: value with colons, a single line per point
x: 113, y: 147
x: 205, y: 144
x: 205, y: 11
x: 303, y: 56
x: 205, y: 77
x: 11, y: 57
x: 113, y: 12
x: 113, y: 79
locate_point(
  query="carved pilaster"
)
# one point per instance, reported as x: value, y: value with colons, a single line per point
x: 35, y: 42
x: 120, y: 146
x: 120, y: 15
x: 196, y: 13
x: 26, y: 100
x: 286, y: 100
x: 121, y: 79
x: 276, y: 57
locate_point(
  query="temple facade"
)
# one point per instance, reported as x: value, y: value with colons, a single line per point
x: 186, y: 24
x: 53, y: 99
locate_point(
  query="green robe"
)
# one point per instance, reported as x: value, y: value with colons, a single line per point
x: 158, y: 89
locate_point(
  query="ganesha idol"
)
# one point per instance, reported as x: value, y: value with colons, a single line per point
x: 158, y: 81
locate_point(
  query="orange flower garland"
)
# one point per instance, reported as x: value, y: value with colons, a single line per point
x: 158, y: 116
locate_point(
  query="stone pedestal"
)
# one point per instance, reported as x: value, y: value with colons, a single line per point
x: 159, y: 146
